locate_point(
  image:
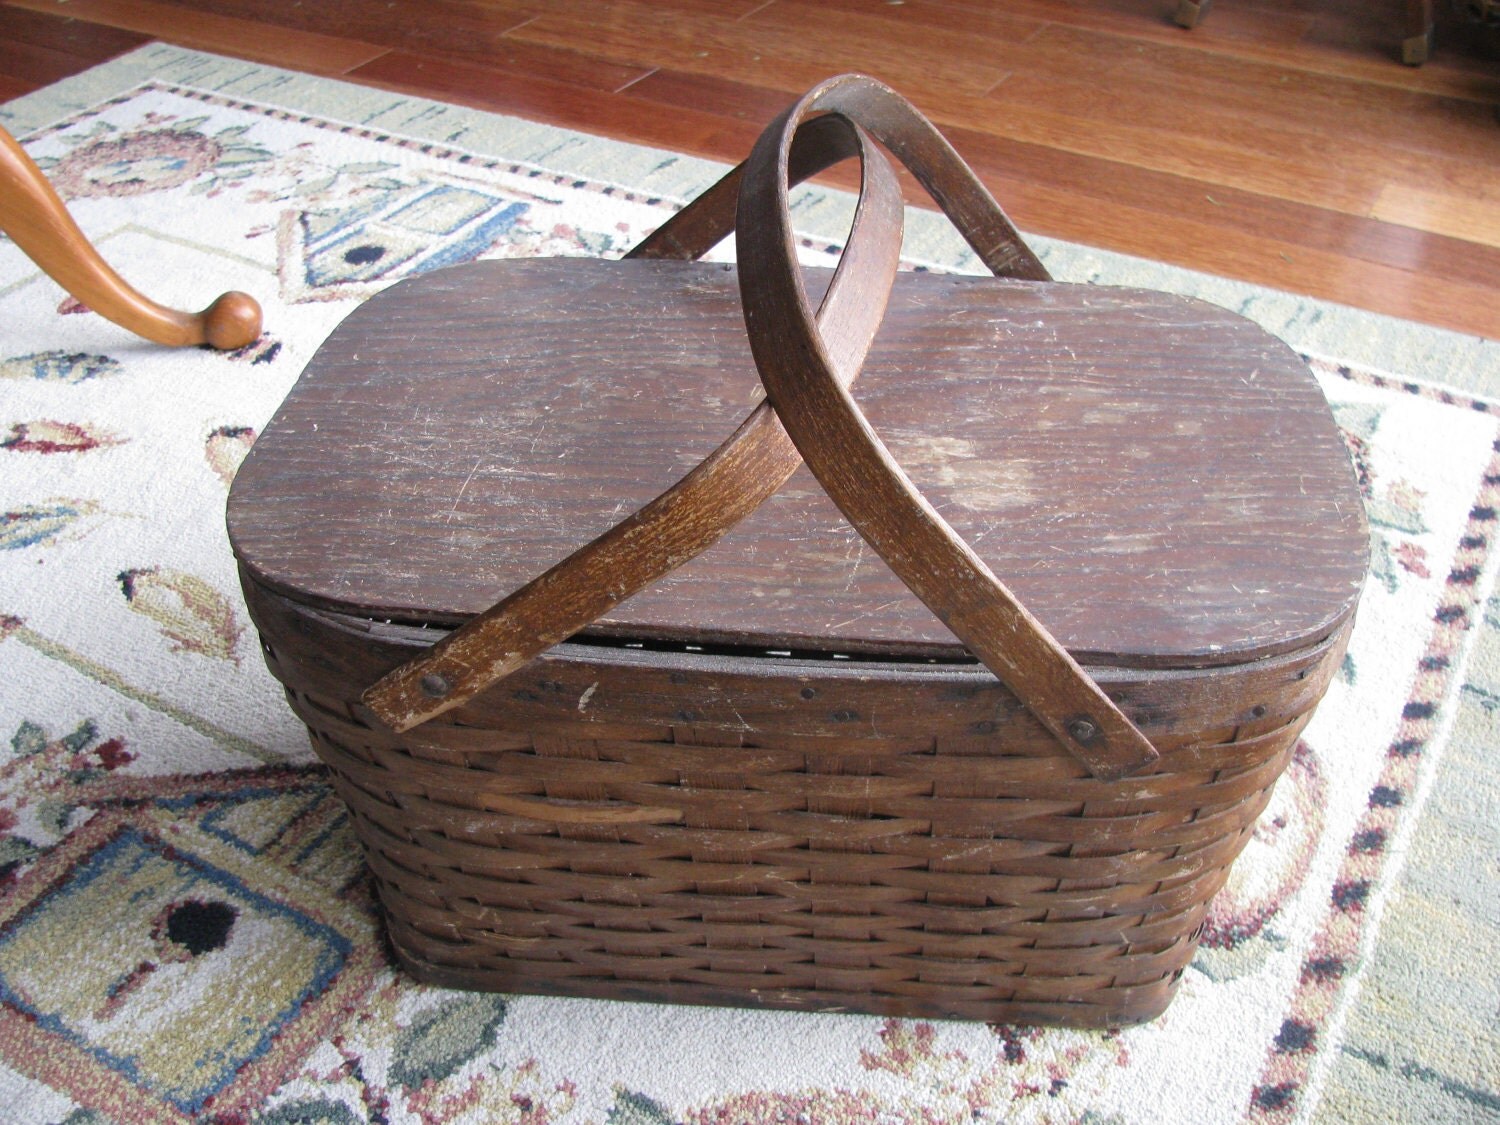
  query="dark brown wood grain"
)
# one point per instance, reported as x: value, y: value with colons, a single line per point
x: 84, y: 42
x: 37, y: 48
x: 1159, y: 481
x: 307, y: 51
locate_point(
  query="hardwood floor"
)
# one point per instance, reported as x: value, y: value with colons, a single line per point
x: 1280, y: 142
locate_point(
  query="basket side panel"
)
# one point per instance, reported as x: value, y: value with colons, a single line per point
x: 950, y: 863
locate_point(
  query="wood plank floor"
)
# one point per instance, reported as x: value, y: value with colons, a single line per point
x: 1280, y: 142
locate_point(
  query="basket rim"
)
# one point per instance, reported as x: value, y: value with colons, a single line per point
x: 699, y: 653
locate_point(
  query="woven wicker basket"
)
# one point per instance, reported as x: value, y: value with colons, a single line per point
x: 775, y: 777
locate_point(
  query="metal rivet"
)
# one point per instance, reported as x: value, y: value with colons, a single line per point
x: 435, y: 685
x: 1083, y: 729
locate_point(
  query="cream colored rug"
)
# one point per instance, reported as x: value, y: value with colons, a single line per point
x: 185, y: 928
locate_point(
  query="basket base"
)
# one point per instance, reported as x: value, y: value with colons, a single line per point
x: 1142, y: 1005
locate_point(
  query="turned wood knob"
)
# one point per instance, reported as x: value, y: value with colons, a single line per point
x: 232, y: 321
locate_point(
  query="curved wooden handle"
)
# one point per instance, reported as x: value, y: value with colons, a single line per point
x: 703, y: 506
x: 852, y: 463
x: 36, y: 220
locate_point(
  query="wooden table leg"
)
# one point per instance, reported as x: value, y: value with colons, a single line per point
x: 1416, y: 48
x: 37, y: 221
x: 1189, y: 12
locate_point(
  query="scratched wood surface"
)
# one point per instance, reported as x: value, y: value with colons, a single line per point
x: 1158, y: 480
x: 1280, y: 142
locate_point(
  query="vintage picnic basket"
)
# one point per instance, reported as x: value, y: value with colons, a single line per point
x: 832, y: 763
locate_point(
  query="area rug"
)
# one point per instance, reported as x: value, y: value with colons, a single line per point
x: 186, y: 931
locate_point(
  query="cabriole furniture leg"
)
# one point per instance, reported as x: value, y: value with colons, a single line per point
x: 36, y: 220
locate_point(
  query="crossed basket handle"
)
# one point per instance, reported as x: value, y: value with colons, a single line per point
x: 807, y: 362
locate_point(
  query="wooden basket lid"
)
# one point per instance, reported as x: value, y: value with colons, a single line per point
x: 1159, y: 480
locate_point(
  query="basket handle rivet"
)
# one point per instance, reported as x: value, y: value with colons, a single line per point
x: 1083, y: 729
x: 435, y: 685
